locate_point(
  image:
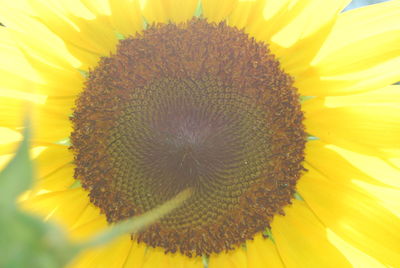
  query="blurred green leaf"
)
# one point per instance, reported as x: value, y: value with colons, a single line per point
x: 199, y: 10
x: 27, y: 241
x: 136, y: 224
x: 17, y: 175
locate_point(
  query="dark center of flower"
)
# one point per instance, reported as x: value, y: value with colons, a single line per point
x: 199, y: 106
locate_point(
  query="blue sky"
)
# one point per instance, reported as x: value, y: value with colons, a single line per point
x: 360, y: 3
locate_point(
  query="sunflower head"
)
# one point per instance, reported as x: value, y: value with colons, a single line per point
x: 195, y: 105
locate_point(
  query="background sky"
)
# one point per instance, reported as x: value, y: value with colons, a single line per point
x: 360, y: 3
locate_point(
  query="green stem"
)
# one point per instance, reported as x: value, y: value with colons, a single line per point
x: 135, y: 224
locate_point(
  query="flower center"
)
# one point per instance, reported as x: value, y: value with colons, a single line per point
x: 194, y: 105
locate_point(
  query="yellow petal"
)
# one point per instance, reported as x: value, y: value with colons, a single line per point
x: 286, y: 22
x: 236, y: 258
x: 63, y: 207
x: 353, y: 215
x: 355, y: 127
x: 300, y: 40
x: 276, y: 8
x: 13, y: 60
x: 95, y: 34
x: 85, y: 259
x: 304, y: 18
x: 356, y: 257
x: 352, y: 166
x: 246, y: 14
x: 382, y: 72
x: 57, y: 81
x: 182, y: 10
x: 90, y: 228
x: 361, y: 53
x: 296, y: 59
x: 89, y: 222
x: 52, y: 128
x: 389, y: 95
x: 9, y: 140
x: 59, y: 180
x: 302, y: 240
x: 20, y: 5
x: 156, y: 258
x: 20, y: 95
x: 361, y: 23
x: 289, y: 27
x: 169, y: 10
x: 388, y: 197
x: 49, y: 80
x: 374, y: 166
x: 50, y: 121
x: 51, y: 159
x: 11, y: 113
x: 262, y: 252
x: 126, y: 16
x: 36, y: 39
x: 135, y: 256
x: 114, y: 254
x: 269, y: 19
x: 179, y: 261
x: 12, y: 81
x: 217, y: 11
x: 98, y: 7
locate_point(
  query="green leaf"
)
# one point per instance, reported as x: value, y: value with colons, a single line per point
x: 199, y: 10
x: 26, y: 241
x: 298, y: 196
x: 205, y: 260
x: 306, y: 98
x: 136, y: 224
x: 267, y: 233
x: 120, y: 36
x: 17, y: 176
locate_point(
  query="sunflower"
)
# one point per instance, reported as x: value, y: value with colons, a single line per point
x: 280, y: 116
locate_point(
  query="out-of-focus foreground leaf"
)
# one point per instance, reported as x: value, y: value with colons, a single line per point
x: 27, y: 241
x: 16, y: 177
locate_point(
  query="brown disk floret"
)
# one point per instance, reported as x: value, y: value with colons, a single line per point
x: 195, y: 105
